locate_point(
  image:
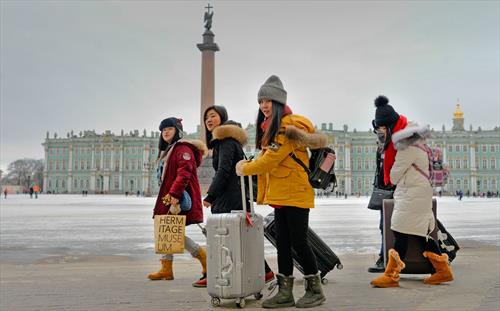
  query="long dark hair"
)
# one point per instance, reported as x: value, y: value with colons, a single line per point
x: 163, y: 145
x: 222, y: 112
x: 265, y: 138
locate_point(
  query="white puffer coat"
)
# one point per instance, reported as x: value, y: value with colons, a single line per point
x: 413, y: 196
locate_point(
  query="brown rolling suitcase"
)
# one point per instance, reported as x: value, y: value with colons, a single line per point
x: 415, y: 261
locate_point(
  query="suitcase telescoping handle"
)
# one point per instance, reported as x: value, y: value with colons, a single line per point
x: 243, y: 197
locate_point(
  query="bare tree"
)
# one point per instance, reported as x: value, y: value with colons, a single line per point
x: 24, y: 172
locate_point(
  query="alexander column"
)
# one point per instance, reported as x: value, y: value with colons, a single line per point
x: 208, y: 49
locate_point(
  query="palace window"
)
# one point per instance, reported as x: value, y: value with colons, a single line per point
x: 465, y: 162
x: 367, y: 164
x: 484, y: 148
x: 492, y: 148
x: 450, y: 148
x: 465, y: 148
x: 492, y: 162
x: 341, y: 148
x: 457, y: 148
x: 485, y: 163
x: 359, y: 164
x: 341, y: 164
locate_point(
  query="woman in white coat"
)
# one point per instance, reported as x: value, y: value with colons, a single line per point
x: 412, y: 215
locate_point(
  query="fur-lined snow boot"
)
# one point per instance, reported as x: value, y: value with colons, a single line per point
x: 390, y: 278
x: 443, y: 270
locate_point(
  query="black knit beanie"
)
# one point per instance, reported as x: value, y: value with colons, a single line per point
x: 385, y: 115
x: 272, y: 89
x: 171, y: 122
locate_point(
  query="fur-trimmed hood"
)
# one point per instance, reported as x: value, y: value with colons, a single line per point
x: 197, y: 143
x: 410, y: 135
x: 311, y: 140
x: 230, y: 130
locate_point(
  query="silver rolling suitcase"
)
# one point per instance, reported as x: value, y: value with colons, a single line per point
x: 235, y: 254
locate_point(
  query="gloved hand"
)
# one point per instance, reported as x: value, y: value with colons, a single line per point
x: 239, y: 165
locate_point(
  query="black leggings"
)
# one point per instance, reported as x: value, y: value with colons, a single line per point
x: 291, y: 231
x: 401, y: 243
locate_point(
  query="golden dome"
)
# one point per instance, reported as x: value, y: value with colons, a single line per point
x: 458, y: 114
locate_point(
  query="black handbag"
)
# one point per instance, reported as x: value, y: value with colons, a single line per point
x: 378, y: 196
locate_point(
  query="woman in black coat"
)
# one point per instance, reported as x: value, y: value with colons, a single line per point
x: 226, y: 140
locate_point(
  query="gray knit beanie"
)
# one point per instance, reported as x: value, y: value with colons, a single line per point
x: 272, y: 89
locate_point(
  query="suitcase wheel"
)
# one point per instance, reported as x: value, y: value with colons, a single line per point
x: 340, y: 266
x: 240, y: 303
x: 215, y: 302
x: 258, y: 296
x: 324, y: 281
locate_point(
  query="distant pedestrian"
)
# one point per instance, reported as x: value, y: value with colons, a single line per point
x: 460, y: 195
x: 412, y: 215
x: 31, y: 192
x: 5, y: 193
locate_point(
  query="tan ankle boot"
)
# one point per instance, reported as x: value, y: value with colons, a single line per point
x: 390, y: 278
x: 165, y: 273
x: 202, y: 257
x: 443, y: 270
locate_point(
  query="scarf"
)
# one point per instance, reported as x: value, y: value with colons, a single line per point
x: 390, y: 152
x: 265, y: 125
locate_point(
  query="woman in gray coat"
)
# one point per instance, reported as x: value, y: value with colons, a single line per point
x: 412, y: 214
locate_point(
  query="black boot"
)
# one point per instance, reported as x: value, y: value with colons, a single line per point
x: 284, y: 297
x: 378, y: 267
x: 314, y: 293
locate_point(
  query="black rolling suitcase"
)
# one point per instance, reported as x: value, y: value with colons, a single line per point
x: 325, y: 257
x: 446, y: 242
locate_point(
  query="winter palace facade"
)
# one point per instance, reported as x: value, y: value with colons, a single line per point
x: 109, y: 163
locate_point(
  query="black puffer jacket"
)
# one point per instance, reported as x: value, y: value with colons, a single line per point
x: 379, y: 174
x: 224, y: 192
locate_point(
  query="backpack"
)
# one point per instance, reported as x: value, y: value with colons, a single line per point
x: 320, y: 170
x: 438, y: 172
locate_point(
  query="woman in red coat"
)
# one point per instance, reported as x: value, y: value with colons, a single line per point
x: 180, y: 159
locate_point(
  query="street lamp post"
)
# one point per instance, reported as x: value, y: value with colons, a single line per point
x: 148, y: 167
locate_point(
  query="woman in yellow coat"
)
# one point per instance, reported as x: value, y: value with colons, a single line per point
x: 284, y: 185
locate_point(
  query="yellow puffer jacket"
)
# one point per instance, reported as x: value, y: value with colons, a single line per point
x: 281, y: 180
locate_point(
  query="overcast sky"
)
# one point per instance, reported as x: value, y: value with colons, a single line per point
x: 83, y: 65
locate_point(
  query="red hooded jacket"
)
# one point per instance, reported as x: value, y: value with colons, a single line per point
x: 180, y: 173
